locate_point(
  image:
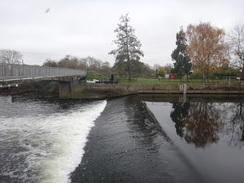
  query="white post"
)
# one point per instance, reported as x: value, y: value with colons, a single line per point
x: 184, y: 88
x: 3, y: 73
x: 184, y: 92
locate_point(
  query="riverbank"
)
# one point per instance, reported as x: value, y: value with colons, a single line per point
x: 104, y: 91
x: 35, y: 89
x: 68, y: 90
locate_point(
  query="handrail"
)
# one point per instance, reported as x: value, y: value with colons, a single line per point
x: 13, y: 71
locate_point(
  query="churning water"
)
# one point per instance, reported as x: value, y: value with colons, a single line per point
x: 154, y: 138
x: 42, y: 141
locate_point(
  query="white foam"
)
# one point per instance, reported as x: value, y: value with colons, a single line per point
x: 69, y: 139
x: 54, y: 143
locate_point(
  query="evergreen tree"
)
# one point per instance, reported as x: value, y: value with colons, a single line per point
x: 128, y: 51
x: 182, y: 65
x: 179, y: 113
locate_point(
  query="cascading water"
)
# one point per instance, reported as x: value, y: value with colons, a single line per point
x: 41, y: 142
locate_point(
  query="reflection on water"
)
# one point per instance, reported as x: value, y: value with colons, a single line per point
x: 234, y: 127
x: 128, y: 145
x: 209, y: 132
x: 202, y: 123
x: 178, y: 116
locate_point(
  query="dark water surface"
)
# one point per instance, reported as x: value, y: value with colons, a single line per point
x: 159, y: 139
x: 140, y: 138
x: 128, y: 145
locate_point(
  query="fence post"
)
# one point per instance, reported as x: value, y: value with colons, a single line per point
x: 184, y: 88
x: 184, y: 92
x: 3, y: 71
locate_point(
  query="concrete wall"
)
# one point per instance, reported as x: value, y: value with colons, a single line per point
x: 102, y: 91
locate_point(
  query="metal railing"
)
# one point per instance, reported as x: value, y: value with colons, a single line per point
x: 16, y: 71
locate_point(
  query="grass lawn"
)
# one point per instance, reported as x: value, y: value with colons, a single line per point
x: 158, y: 81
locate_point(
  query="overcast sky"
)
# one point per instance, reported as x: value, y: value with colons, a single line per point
x: 51, y: 29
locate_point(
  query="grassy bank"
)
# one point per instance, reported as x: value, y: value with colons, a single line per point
x: 171, y: 81
x: 122, y: 80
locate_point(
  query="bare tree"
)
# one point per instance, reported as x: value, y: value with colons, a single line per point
x: 50, y: 63
x: 237, y: 46
x: 105, y: 68
x: 82, y: 64
x: 92, y: 64
x: 10, y: 56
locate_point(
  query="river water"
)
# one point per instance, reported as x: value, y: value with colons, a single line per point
x: 129, y: 139
x: 43, y: 141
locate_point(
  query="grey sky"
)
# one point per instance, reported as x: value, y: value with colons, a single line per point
x: 86, y: 27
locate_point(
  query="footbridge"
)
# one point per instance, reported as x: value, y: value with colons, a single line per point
x: 13, y: 74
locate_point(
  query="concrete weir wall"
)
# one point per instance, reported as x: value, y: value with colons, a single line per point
x: 102, y: 91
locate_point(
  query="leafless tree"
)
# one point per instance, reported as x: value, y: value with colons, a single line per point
x: 105, y: 68
x: 237, y: 46
x: 93, y: 64
x: 10, y: 56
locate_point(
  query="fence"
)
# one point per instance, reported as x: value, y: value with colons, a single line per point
x: 15, y: 71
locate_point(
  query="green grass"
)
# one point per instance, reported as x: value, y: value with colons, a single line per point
x: 157, y: 81
x: 143, y: 81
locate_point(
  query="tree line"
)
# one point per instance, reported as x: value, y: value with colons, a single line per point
x: 202, y: 51
x: 87, y: 63
x: 206, y: 51
x: 93, y: 65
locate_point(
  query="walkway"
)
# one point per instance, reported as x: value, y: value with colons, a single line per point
x: 16, y: 72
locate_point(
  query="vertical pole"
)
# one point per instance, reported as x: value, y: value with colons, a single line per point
x: 3, y: 71
x: 184, y: 92
x: 184, y: 88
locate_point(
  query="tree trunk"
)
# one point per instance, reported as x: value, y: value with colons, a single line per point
x: 187, y: 77
x: 129, y: 71
x: 129, y: 75
x: 203, y: 77
x: 242, y: 72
